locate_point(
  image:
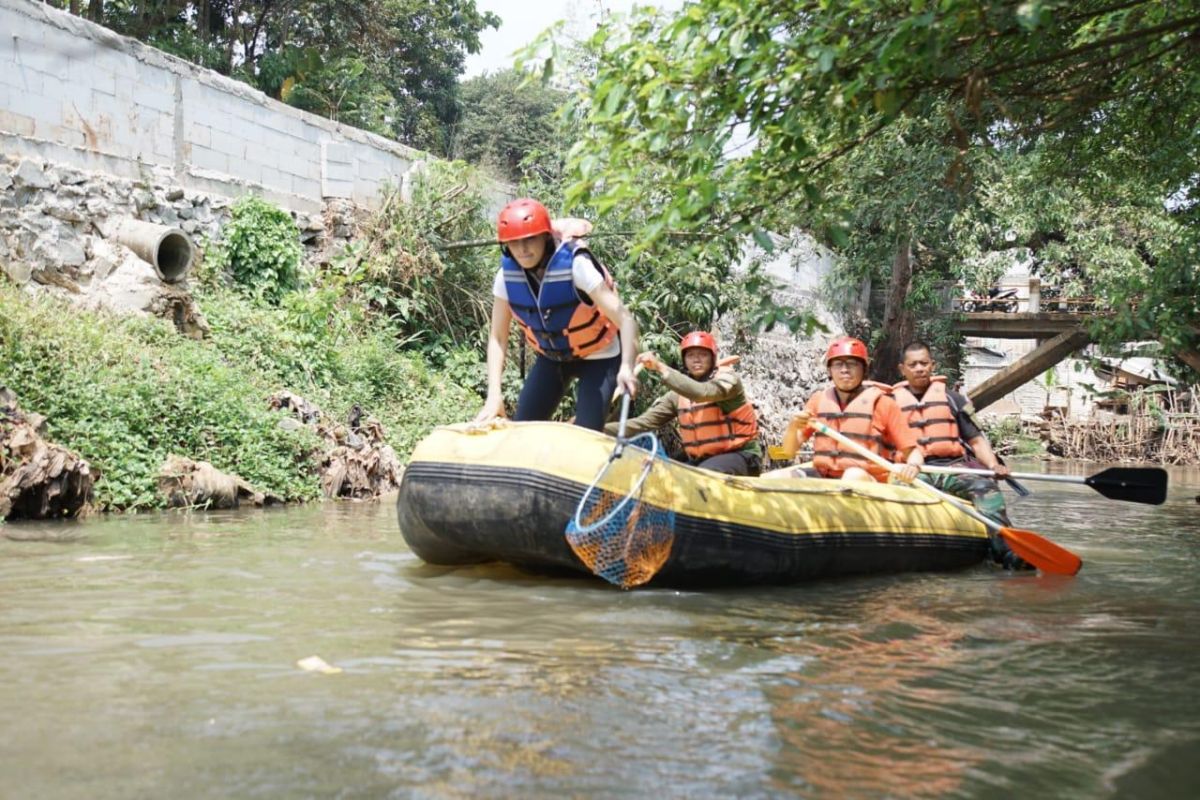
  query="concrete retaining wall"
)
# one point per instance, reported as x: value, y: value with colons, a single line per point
x: 75, y: 93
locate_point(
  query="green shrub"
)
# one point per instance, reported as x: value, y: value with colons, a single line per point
x: 439, y: 298
x: 1009, y: 430
x: 318, y: 346
x: 127, y: 392
x: 259, y: 248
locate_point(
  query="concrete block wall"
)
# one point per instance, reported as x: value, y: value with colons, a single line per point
x: 75, y: 93
x: 1071, y: 389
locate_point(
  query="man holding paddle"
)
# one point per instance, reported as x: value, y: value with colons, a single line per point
x: 946, y: 434
x: 857, y: 408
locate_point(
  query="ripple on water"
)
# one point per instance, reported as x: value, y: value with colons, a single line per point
x: 161, y: 651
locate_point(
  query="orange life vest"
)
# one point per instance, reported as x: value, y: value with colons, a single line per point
x: 856, y: 422
x: 706, y: 430
x: 932, y: 418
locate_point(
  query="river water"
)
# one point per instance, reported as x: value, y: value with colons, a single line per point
x: 156, y: 656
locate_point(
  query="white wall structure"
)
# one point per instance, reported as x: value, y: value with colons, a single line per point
x: 800, y: 264
x: 76, y: 93
x: 1068, y: 388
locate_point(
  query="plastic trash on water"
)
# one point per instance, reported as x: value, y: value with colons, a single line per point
x: 317, y: 664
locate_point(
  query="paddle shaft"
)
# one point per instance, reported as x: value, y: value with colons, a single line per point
x: 621, y: 426
x: 1134, y: 484
x: 1025, y: 476
x: 825, y: 430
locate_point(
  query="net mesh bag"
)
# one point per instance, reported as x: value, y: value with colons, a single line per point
x: 618, y: 536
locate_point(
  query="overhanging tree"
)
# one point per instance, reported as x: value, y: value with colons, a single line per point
x: 1094, y: 87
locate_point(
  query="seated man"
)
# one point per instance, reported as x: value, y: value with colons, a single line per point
x: 941, y: 420
x: 858, y: 409
x: 718, y: 426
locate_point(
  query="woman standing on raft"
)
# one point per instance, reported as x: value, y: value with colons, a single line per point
x: 566, y: 304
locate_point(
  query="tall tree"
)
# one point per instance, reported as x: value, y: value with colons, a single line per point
x: 1091, y: 84
x: 505, y: 117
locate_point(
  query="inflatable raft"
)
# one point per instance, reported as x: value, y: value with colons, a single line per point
x: 506, y: 494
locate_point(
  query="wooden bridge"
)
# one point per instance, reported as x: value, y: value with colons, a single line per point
x: 1060, y: 326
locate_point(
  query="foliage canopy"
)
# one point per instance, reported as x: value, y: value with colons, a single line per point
x: 762, y: 115
x: 389, y: 66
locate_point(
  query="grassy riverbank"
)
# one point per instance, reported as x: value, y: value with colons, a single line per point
x: 126, y: 392
x: 1009, y: 437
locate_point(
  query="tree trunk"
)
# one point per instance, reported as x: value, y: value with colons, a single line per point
x: 95, y: 10
x: 898, y: 322
x: 1191, y: 358
x: 203, y: 23
x: 73, y: 7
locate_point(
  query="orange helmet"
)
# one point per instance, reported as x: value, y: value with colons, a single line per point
x: 699, y: 339
x: 522, y: 218
x: 846, y: 347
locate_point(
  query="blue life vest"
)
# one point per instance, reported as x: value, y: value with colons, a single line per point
x: 559, y: 322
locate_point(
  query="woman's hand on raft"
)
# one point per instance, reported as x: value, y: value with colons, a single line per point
x: 492, y: 408
x: 906, y: 473
x: 627, y: 381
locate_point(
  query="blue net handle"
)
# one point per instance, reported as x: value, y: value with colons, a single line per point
x: 651, y: 446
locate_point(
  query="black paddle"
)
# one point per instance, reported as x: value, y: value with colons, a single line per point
x: 1137, y: 485
x: 1132, y: 484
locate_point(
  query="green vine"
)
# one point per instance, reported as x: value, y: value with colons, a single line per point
x: 260, y: 249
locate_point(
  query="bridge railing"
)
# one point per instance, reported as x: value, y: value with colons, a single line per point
x: 1031, y: 297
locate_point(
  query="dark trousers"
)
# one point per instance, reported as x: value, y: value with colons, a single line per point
x: 547, y: 383
x: 738, y: 462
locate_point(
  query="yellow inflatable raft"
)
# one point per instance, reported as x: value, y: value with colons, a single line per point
x: 506, y: 494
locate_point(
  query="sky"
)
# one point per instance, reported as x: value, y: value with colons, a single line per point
x: 523, y: 20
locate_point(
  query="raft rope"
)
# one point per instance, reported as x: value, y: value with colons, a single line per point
x: 616, y: 534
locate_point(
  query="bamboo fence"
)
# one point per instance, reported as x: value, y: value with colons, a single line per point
x: 1161, y: 426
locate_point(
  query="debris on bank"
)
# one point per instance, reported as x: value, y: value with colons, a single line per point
x: 185, y: 483
x: 358, y: 464
x: 38, y: 479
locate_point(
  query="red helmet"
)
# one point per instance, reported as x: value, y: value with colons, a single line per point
x: 522, y: 218
x: 699, y: 339
x: 846, y: 347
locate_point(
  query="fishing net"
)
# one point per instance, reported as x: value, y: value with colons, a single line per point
x: 618, y: 536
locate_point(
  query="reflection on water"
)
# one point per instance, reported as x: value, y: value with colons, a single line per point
x: 157, y: 654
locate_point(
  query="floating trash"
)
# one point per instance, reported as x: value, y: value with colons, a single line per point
x: 317, y: 664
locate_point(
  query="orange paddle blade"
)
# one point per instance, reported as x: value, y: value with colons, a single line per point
x: 1041, y: 552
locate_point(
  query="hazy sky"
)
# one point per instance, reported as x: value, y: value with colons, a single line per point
x: 525, y: 19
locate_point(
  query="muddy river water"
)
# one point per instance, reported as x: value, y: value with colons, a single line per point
x: 157, y: 656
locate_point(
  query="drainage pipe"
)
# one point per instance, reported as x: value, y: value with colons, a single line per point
x: 168, y: 250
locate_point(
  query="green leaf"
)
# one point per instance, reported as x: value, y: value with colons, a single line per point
x: 825, y: 59
x: 613, y: 101
x: 764, y: 240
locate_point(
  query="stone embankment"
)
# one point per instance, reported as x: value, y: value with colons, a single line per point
x: 783, y: 370
x: 57, y: 227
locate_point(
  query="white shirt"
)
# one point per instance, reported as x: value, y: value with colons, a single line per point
x: 586, y: 277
